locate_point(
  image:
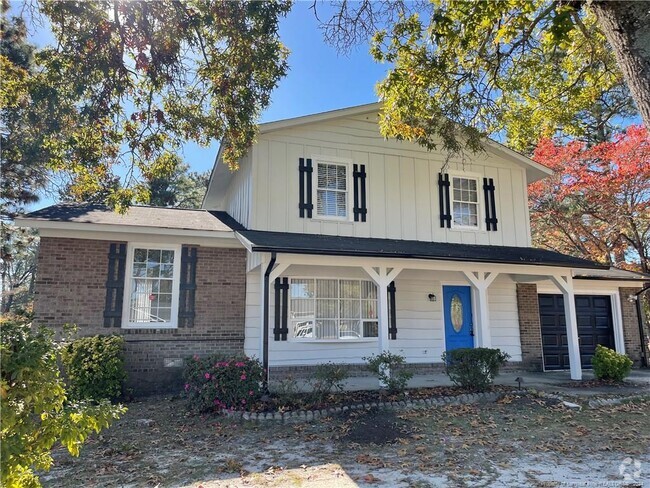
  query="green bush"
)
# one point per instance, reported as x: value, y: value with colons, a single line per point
x: 474, y: 368
x: 326, y: 378
x: 216, y: 383
x: 389, y: 368
x: 34, y: 412
x: 94, y: 367
x: 610, y: 365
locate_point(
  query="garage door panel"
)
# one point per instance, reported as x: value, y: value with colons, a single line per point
x: 595, y: 326
x: 550, y: 340
x: 546, y: 301
x: 583, y: 321
x: 603, y: 322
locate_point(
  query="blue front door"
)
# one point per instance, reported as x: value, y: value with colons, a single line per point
x: 459, y: 329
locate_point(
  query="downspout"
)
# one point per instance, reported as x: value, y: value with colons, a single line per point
x: 639, y: 315
x: 265, y: 328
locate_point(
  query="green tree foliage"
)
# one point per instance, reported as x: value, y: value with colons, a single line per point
x: 35, y: 414
x: 126, y: 82
x: 462, y: 70
x: 22, y: 156
x: 180, y: 188
x: 17, y: 266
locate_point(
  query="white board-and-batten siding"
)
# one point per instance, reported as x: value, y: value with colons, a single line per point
x: 420, y: 336
x: 239, y: 195
x: 402, y: 185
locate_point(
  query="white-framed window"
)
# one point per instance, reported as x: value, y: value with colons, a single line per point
x: 333, y: 309
x: 465, y: 206
x: 151, y: 287
x: 332, y: 189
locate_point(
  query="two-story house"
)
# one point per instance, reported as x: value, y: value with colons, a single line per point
x: 331, y: 243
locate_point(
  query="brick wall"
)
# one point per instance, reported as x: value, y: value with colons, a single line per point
x: 530, y: 329
x: 70, y: 288
x: 631, y: 333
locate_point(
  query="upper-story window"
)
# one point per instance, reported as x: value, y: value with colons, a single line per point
x: 332, y: 190
x: 465, y: 203
x: 152, y: 287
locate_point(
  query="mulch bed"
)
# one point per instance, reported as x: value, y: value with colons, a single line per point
x: 600, y: 384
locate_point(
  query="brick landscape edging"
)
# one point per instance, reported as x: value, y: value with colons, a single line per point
x: 301, y: 415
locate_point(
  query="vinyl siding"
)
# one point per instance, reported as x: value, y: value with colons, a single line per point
x: 402, y: 186
x: 420, y: 336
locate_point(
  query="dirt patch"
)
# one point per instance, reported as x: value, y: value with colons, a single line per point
x: 374, y: 426
x: 521, y: 440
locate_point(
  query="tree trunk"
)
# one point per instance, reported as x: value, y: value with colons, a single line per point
x: 626, y: 25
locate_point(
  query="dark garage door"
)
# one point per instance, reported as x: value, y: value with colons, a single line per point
x: 595, y: 326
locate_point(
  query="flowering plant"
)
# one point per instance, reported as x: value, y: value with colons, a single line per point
x: 216, y: 383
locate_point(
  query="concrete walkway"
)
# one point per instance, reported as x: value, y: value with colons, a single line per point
x: 556, y: 381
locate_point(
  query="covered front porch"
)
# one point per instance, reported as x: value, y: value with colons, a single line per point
x: 413, y: 314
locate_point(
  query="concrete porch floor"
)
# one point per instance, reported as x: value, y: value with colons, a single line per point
x: 555, y: 381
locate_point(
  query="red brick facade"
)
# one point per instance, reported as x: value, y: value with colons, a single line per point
x: 530, y: 331
x: 70, y: 288
x: 631, y: 331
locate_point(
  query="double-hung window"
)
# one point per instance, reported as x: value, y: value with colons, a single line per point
x: 333, y: 309
x: 332, y: 190
x: 151, y: 287
x: 465, y: 204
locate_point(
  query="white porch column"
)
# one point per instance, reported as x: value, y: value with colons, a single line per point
x: 480, y: 282
x: 382, y: 276
x: 565, y: 284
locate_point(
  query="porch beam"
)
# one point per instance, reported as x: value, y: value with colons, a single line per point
x: 278, y: 270
x: 565, y: 285
x: 422, y: 264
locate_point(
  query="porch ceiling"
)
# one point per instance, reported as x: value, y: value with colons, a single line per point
x: 315, y: 244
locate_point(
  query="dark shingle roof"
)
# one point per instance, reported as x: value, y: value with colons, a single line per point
x: 140, y: 216
x: 284, y: 242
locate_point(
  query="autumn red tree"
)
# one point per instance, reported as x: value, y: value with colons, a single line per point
x: 597, y: 205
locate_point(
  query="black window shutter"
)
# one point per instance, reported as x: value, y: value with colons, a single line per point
x: 392, y: 312
x: 281, y: 328
x: 187, y: 288
x: 115, y: 285
x: 490, y: 205
x: 445, y: 206
x: 359, y: 187
x: 305, y: 187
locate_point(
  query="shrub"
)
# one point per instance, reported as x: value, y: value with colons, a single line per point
x: 474, y: 368
x: 610, y: 365
x: 33, y: 408
x: 326, y: 378
x: 215, y: 383
x: 389, y: 369
x: 94, y: 367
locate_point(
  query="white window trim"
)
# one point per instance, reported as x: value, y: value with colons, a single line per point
x: 295, y: 339
x: 316, y: 160
x: 480, y: 215
x: 126, y: 302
